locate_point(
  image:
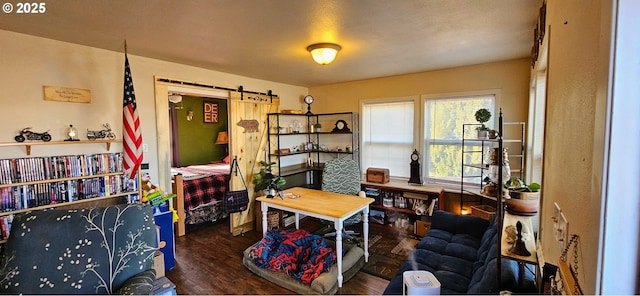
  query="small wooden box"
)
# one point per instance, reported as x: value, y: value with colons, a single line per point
x: 378, y: 175
x: 421, y: 228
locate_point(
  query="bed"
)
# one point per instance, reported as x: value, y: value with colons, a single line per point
x: 199, y: 192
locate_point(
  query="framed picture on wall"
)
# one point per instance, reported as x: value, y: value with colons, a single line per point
x: 210, y: 112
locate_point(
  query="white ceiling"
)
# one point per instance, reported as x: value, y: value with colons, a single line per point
x: 267, y: 39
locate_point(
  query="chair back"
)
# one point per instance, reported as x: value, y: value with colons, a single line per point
x: 341, y: 176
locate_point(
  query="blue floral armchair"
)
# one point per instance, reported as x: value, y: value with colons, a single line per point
x: 80, y: 251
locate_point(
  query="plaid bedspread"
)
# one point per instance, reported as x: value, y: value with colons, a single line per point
x: 204, y: 190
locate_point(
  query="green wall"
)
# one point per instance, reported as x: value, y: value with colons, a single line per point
x: 197, y: 138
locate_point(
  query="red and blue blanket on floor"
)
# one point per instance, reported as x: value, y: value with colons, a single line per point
x: 300, y: 254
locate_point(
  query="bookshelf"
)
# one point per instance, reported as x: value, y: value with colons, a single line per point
x: 36, y: 183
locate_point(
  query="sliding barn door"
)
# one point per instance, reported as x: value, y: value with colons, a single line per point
x: 248, y: 142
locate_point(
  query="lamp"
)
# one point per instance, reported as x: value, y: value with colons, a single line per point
x: 223, y: 138
x: 324, y: 53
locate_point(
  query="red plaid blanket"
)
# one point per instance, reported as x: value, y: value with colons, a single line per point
x: 204, y: 190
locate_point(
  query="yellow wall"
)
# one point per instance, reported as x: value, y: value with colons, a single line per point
x: 574, y: 133
x: 511, y: 77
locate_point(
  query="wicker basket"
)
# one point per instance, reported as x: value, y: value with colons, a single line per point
x: 483, y: 211
x: 273, y: 219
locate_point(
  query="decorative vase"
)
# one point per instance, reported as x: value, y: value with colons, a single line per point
x: 523, y: 203
x: 494, y: 166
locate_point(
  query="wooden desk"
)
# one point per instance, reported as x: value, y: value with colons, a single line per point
x: 323, y: 205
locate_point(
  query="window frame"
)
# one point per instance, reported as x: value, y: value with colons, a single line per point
x: 496, y: 93
x: 420, y: 119
x: 416, y: 103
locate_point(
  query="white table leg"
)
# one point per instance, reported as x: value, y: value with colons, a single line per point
x: 297, y: 220
x: 365, y: 231
x: 338, y: 225
x: 264, y: 208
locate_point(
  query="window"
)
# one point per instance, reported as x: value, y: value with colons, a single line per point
x: 390, y: 133
x: 387, y: 135
x: 443, y: 122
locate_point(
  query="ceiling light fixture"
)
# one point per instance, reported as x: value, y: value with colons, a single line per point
x: 324, y: 53
x: 175, y: 98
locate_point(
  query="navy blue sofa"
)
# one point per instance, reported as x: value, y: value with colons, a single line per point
x: 460, y: 251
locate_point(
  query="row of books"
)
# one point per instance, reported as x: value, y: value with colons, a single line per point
x: 18, y: 170
x: 33, y: 195
x: 5, y: 224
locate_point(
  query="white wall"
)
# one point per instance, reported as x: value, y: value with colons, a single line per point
x: 30, y: 62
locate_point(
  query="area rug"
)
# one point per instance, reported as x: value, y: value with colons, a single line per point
x: 388, y: 249
x: 387, y: 253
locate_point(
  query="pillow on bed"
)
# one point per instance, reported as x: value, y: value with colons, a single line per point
x: 226, y: 159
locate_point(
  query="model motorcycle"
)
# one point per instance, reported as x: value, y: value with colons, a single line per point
x: 105, y: 133
x: 27, y: 134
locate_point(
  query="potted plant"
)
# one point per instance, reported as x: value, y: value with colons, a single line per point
x: 482, y: 115
x: 523, y: 199
x: 317, y: 127
x: 266, y: 182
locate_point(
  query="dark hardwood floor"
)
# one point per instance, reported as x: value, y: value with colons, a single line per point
x: 209, y: 261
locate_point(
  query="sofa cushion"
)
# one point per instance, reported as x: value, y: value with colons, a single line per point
x: 459, y: 224
x: 80, y: 251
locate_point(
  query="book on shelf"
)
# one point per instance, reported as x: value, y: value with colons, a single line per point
x: 5, y: 225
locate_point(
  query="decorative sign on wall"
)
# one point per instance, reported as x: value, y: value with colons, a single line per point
x: 66, y: 94
x: 249, y: 125
x: 210, y: 112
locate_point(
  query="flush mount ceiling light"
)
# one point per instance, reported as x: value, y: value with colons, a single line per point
x: 324, y: 53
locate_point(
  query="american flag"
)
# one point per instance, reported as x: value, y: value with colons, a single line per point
x: 132, y: 136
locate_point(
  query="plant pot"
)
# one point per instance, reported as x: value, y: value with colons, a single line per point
x: 482, y: 134
x: 523, y: 203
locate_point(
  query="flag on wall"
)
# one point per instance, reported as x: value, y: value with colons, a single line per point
x: 132, y: 136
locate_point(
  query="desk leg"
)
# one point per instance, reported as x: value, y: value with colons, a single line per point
x: 264, y: 208
x: 297, y: 220
x: 365, y: 231
x: 338, y: 225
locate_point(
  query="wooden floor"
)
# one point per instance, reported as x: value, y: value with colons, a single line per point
x: 209, y: 261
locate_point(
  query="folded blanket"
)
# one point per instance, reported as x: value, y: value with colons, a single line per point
x: 301, y: 255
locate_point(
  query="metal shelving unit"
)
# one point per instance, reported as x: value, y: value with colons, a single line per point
x: 324, y: 143
x: 474, y: 172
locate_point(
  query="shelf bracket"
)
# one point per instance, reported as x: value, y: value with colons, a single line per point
x: 28, y: 149
x: 108, y: 146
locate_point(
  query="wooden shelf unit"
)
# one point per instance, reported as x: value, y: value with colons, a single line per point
x: 38, y: 169
x: 427, y: 193
x: 28, y: 145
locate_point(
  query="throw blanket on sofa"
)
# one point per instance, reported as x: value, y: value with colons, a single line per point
x: 298, y: 253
